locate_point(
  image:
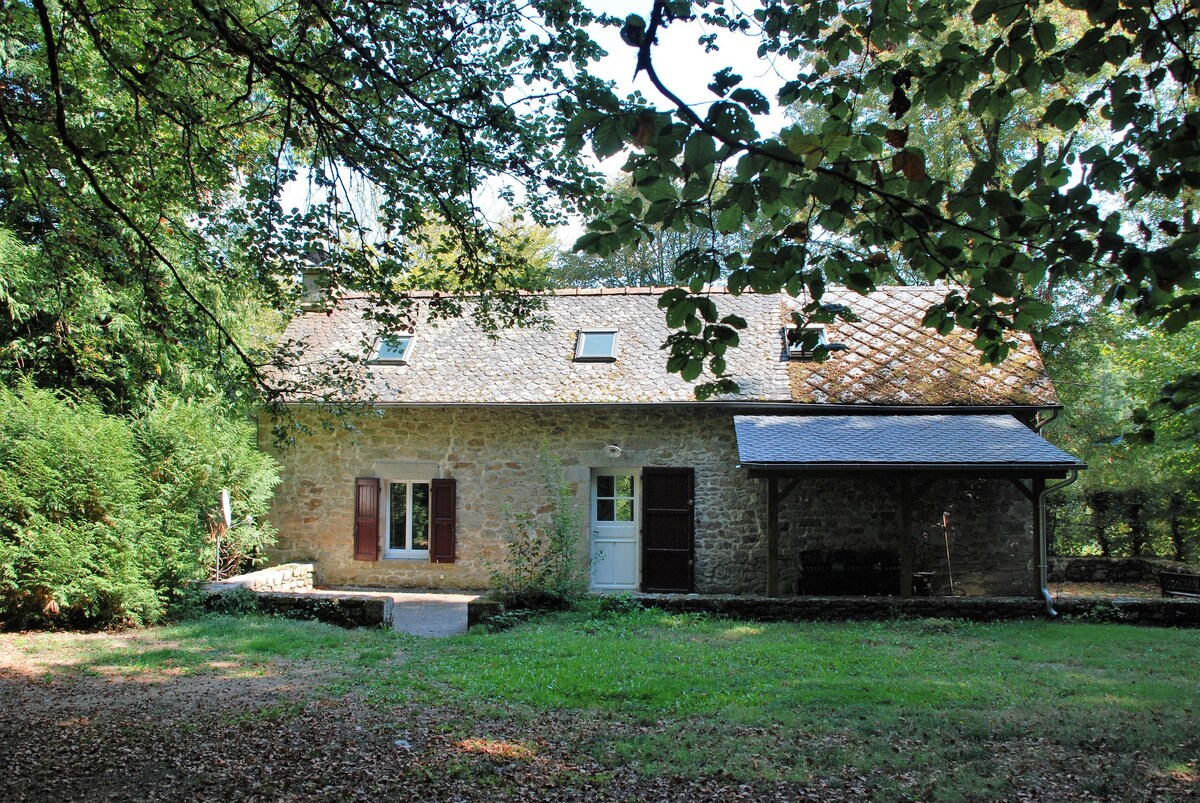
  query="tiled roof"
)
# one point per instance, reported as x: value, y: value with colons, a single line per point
x: 929, y: 441
x: 891, y: 359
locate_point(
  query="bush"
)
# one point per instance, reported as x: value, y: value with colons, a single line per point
x: 191, y: 451
x: 103, y: 519
x: 545, y: 568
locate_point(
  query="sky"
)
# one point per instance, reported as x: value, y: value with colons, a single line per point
x: 681, y: 64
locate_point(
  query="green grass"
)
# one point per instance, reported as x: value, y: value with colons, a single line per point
x: 930, y: 709
x: 786, y: 701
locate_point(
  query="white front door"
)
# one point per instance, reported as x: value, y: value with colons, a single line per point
x: 614, y: 531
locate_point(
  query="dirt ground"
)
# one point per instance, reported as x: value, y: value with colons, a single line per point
x: 71, y: 730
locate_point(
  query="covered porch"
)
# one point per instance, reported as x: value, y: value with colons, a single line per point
x: 901, y: 457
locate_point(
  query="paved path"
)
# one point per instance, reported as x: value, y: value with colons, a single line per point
x: 431, y: 613
x: 422, y: 613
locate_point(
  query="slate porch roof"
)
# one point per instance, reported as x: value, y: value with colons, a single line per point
x: 891, y: 359
x: 891, y: 442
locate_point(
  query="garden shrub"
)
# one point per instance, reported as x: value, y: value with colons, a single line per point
x: 103, y: 519
x: 545, y: 567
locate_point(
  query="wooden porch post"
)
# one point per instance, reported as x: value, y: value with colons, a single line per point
x: 1038, y: 488
x: 906, y: 537
x: 772, y: 536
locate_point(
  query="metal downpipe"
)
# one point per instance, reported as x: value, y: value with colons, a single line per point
x: 1043, y: 549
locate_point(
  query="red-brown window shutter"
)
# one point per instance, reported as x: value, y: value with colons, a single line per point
x: 366, y: 518
x: 442, y: 520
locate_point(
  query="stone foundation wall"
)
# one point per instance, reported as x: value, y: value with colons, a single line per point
x: 1174, y: 613
x: 493, y: 454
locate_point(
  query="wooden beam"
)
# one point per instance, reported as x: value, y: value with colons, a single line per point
x: 772, y: 536
x: 1036, y: 491
x: 904, y: 492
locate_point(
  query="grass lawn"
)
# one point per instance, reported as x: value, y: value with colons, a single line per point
x: 608, y: 705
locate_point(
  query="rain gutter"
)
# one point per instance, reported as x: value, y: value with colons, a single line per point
x: 1043, y: 550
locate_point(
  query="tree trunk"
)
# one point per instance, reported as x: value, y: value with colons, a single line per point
x: 1139, y: 533
x: 1174, y: 508
x: 1100, y: 502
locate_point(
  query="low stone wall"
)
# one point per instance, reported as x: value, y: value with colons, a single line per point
x: 292, y: 577
x: 1094, y: 569
x: 481, y: 610
x: 287, y: 590
x: 1178, y: 613
x: 342, y: 610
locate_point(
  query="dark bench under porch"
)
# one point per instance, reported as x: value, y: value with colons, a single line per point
x: 1178, y: 584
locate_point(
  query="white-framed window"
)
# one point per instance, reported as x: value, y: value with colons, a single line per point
x: 802, y: 343
x: 614, y: 498
x: 393, y: 349
x: 404, y: 519
x: 596, y: 345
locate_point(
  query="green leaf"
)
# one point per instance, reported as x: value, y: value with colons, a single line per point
x: 730, y: 219
x: 608, y: 137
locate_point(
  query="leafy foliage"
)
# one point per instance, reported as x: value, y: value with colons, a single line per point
x: 1138, y: 496
x: 1111, y: 128
x: 545, y: 567
x: 102, y: 519
x: 154, y: 159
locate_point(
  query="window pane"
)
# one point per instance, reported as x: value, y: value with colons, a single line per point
x: 398, y: 520
x: 420, y: 515
x: 624, y: 510
x: 604, y: 486
x: 604, y: 510
x: 624, y: 486
x: 393, y: 348
x: 597, y: 344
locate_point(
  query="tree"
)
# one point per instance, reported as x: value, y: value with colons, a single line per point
x: 648, y: 260
x: 849, y: 199
x: 1136, y: 497
x: 150, y: 149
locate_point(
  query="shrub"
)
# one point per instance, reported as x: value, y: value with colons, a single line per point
x: 544, y: 568
x: 191, y: 451
x: 103, y: 519
x: 68, y: 504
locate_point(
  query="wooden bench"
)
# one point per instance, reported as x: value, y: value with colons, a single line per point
x: 1178, y: 584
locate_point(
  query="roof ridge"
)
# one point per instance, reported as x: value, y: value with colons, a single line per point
x: 643, y: 290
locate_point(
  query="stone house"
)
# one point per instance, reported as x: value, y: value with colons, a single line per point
x: 900, y: 463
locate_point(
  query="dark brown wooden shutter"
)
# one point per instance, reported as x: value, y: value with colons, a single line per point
x: 366, y: 518
x: 442, y: 520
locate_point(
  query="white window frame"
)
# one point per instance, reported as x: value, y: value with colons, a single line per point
x: 402, y: 359
x: 581, y: 340
x: 796, y: 351
x: 385, y: 519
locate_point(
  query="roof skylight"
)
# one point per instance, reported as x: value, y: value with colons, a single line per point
x: 596, y: 345
x: 393, y: 349
x: 802, y: 343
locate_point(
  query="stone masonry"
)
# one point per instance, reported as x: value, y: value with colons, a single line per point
x: 493, y: 453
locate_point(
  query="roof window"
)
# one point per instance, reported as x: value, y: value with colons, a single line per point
x: 803, y: 342
x: 596, y: 345
x: 393, y: 349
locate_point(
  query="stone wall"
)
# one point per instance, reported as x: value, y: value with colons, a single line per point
x: 1175, y: 613
x: 1095, y: 569
x: 987, y: 524
x: 293, y: 577
x: 493, y: 453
